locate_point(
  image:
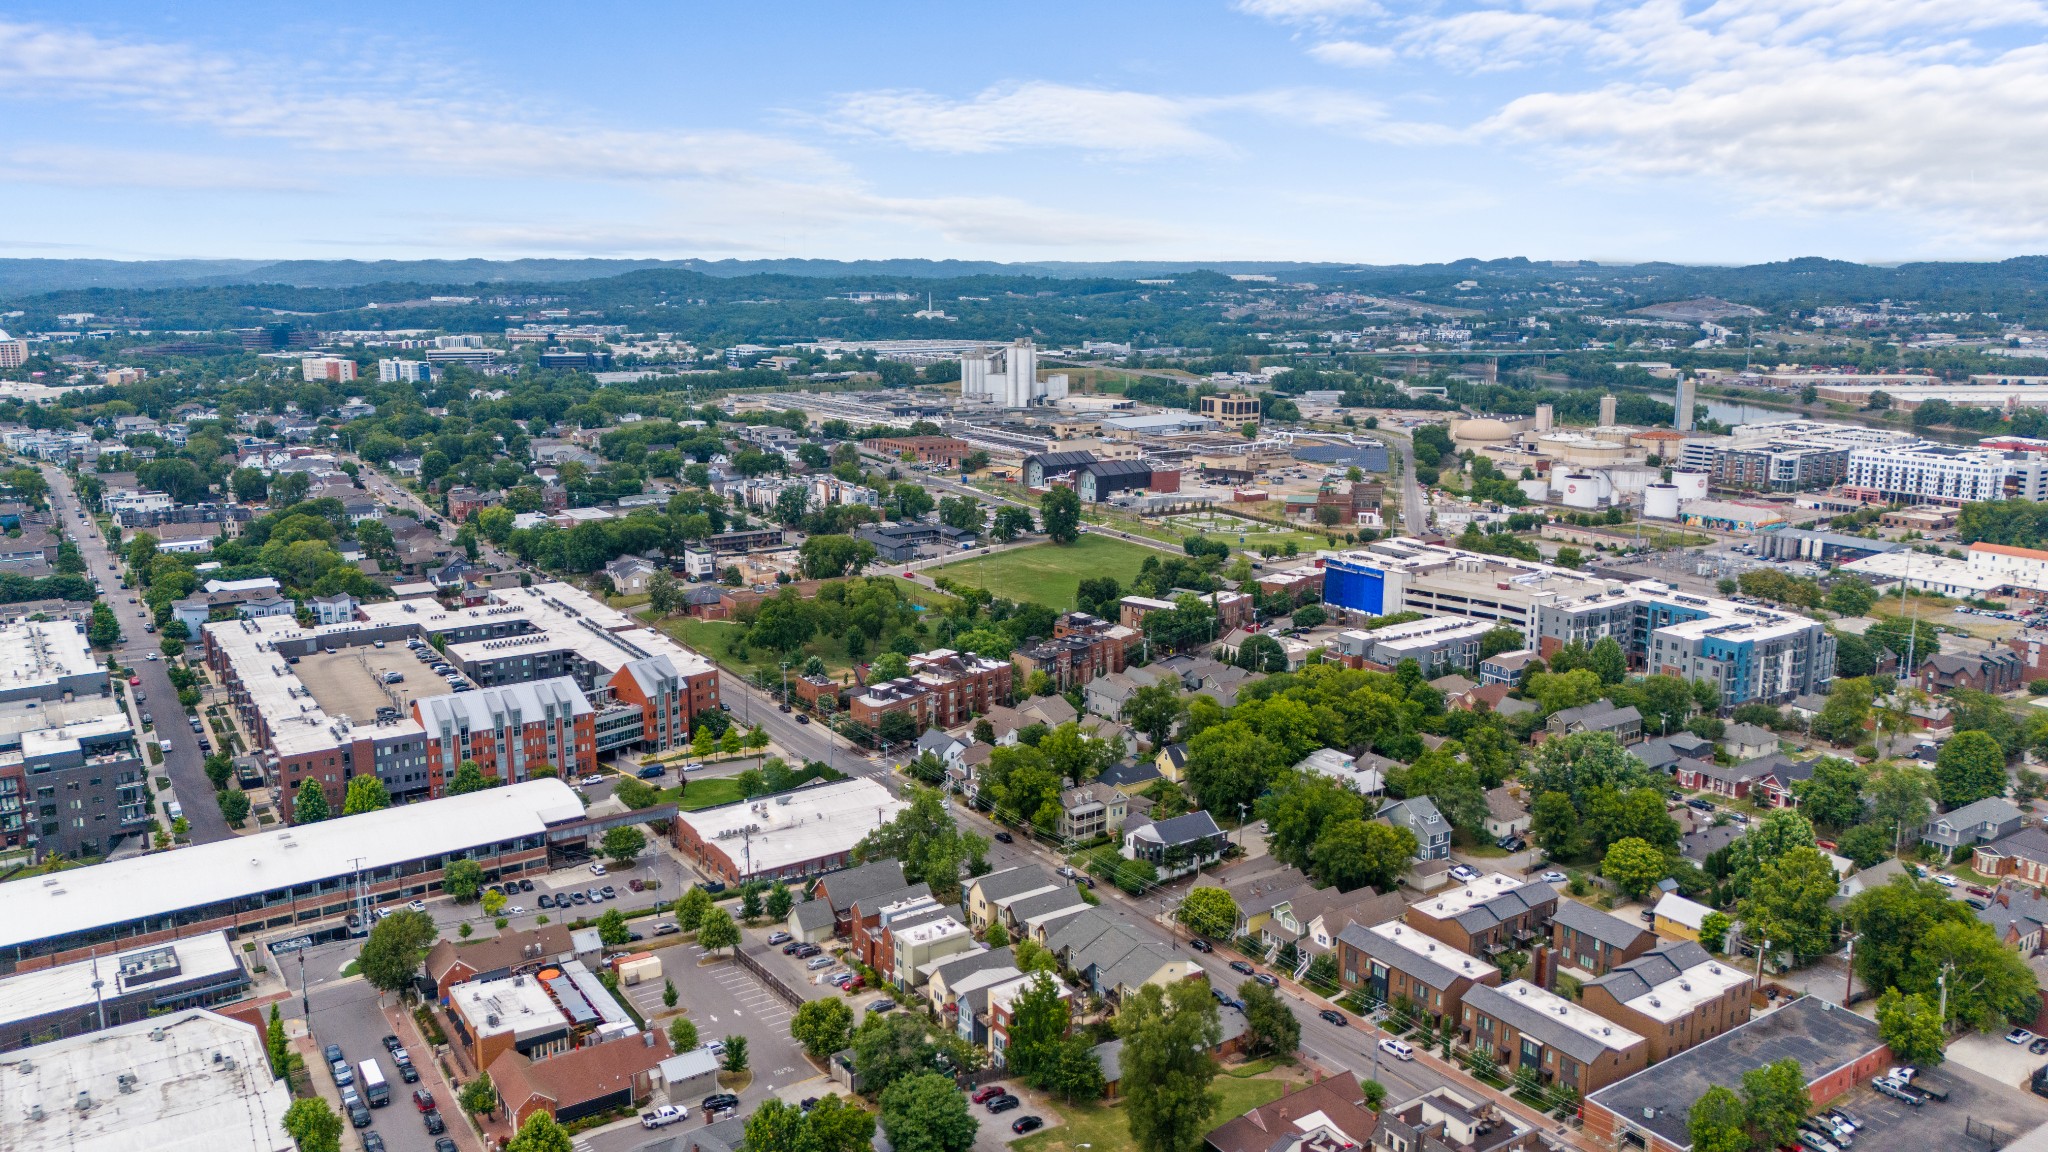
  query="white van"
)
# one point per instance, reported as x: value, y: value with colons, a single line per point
x: 375, y: 1090
x: 1396, y: 1049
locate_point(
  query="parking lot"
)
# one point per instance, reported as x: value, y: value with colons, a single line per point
x: 1891, y: 1126
x: 995, y: 1134
x: 724, y: 999
x: 348, y: 1014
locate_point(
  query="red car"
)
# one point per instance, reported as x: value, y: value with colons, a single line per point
x: 988, y: 1092
x: 424, y: 1099
x: 1976, y: 890
x: 134, y: 681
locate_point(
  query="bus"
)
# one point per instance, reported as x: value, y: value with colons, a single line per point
x: 375, y: 1090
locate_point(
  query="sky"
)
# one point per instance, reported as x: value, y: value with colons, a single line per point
x: 1368, y: 131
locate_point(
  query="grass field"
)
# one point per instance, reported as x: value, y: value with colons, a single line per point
x: 1049, y: 574
x: 1103, y: 1128
x: 705, y: 793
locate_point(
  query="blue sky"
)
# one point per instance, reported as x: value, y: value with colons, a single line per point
x: 1348, y: 130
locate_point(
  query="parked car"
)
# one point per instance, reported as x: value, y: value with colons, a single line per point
x: 1242, y: 968
x: 1396, y: 1049
x: 988, y: 1092
x: 546, y: 901
x: 1005, y: 838
x: 1002, y: 1104
x: 1023, y: 1124
x: 663, y: 1116
x: 526, y: 885
x: 423, y: 1100
x: 1462, y: 874
x: 435, y: 1126
x: 817, y: 962
x: 1898, y: 1091
x: 1201, y: 945
x: 372, y: 1142
x: 778, y: 938
x: 1268, y: 979
x: 1335, y: 1017
x: 392, y: 1045
x: 719, y: 1101
x: 610, y: 893
x: 597, y: 870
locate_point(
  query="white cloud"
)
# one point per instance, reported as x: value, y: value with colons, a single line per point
x: 1352, y: 54
x: 1311, y: 11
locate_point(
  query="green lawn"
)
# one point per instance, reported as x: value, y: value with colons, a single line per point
x: 709, y: 793
x: 1102, y: 1127
x: 1049, y: 574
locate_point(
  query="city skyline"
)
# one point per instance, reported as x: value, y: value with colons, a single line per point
x: 1262, y: 129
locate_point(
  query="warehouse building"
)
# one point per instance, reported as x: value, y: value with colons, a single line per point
x: 50, y: 1004
x: 786, y: 836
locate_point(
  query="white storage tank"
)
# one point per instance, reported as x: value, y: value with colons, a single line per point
x: 1660, y: 502
x: 1580, y: 491
x: 1691, y: 485
x: 1537, y: 489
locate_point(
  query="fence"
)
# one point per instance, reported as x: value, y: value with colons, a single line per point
x: 1990, y: 1134
x: 771, y: 980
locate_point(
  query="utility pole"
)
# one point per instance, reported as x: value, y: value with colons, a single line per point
x: 1849, y: 978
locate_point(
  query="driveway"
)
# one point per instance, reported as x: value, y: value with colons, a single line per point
x: 1947, y: 1126
x: 347, y: 1013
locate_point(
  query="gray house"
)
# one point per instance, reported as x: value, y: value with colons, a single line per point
x: 1991, y: 818
x: 1626, y: 724
x: 1177, y: 846
x: 1419, y: 815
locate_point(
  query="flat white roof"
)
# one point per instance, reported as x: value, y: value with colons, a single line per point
x: 520, y: 1005
x: 297, y: 722
x: 1677, y: 997
x: 1921, y: 568
x: 26, y: 995
x: 180, y: 1100
x: 1454, y: 902
x: 1581, y: 1020
x: 81, y: 899
x: 1431, y: 949
x: 792, y: 827
x: 34, y: 653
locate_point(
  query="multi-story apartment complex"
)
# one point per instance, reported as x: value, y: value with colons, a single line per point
x: 71, y: 776
x: 1784, y: 456
x: 331, y: 369
x: 1490, y: 915
x: 396, y: 371
x: 1522, y: 1026
x: 1924, y: 473
x: 1753, y: 653
x: 944, y: 689
x: 509, y: 731
x: 326, y: 703
x: 1674, y: 996
x: 1082, y: 648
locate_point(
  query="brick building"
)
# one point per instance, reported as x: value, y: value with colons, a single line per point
x: 944, y: 451
x: 943, y: 690
x: 1997, y: 671
x: 1522, y: 1026
x: 1393, y: 960
x: 1675, y: 997
x: 508, y: 731
x: 1490, y: 915
x: 1082, y: 647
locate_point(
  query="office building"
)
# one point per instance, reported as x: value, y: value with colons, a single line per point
x: 327, y: 369
x: 395, y: 371
x: 289, y: 881
x: 786, y: 836
x: 186, y: 1081
x: 116, y: 988
x: 1231, y: 410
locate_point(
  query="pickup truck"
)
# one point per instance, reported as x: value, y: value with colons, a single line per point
x: 664, y: 1116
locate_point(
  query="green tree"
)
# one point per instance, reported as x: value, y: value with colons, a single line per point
x: 1059, y: 510
x: 1555, y: 825
x: 1498, y: 640
x: 104, y: 630
x: 1609, y: 662
x: 1768, y: 839
x: 1269, y: 1024
x: 1842, y: 718
x: 682, y: 1034
x: 462, y: 879
x: 540, y: 1133
x: 669, y: 995
x: 928, y: 840
x: 479, y: 1097
x: 735, y: 1058
x: 691, y: 908
x: 1209, y: 912
x: 312, y: 1124
x: 822, y: 1027
x: 277, y: 1045
x: 1911, y: 1025
x: 1850, y: 598
x: 1353, y: 854
x: 1297, y: 810
x: 1788, y: 903
x: 234, y: 806
x: 750, y: 902
x: 1833, y: 795
x: 1713, y: 931
x: 612, y: 929
x: 469, y: 777
x: 1038, y: 1022
x: 717, y: 931
x: 365, y: 794
x: 1077, y: 1074
x: 1774, y: 1101
x: 623, y: 844
x: 397, y: 946
x: 1634, y: 866
x: 1167, y: 1034
x: 780, y: 901
x: 636, y: 794
x: 1154, y: 710
x: 1717, y: 1122
x: 1971, y: 767
x: 927, y: 1113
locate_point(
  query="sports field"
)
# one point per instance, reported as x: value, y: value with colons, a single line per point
x: 1049, y: 574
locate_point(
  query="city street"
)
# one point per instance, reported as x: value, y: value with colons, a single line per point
x: 183, y: 764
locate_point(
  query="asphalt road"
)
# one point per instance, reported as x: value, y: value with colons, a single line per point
x: 183, y: 763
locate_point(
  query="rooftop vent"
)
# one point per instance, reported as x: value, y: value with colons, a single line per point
x: 84, y: 1103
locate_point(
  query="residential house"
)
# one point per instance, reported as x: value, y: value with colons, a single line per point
x: 950, y: 750
x: 1663, y: 753
x: 1173, y: 762
x: 1106, y: 696
x: 1495, y: 698
x: 1677, y: 917
x: 1701, y: 843
x: 1442, y: 1120
x: 989, y: 894
x: 1589, y: 939
x: 1990, y: 819
x: 630, y: 574
x: 1130, y: 777
x: 944, y: 977
x: 1490, y: 915
x: 1522, y: 1026
x: 1506, y: 815
x: 1418, y: 814
x: 1674, y: 996
x: 1347, y: 770
x: 581, y: 1082
x: 1320, y: 1117
x: 1113, y: 959
x: 1769, y: 778
x: 1997, y: 671
x: 1048, y: 711
x: 450, y: 962
x: 1625, y: 724
x: 2019, y: 916
x: 2023, y: 855
x: 870, y: 917
x: 1038, y: 916
x: 1178, y: 846
x: 1876, y: 876
x: 912, y: 942
x: 1001, y: 1011
x: 1506, y: 667
x: 1311, y: 918
x: 841, y: 890
x: 1109, y: 1054
x: 1747, y: 741
x: 1091, y: 810
x: 1392, y: 961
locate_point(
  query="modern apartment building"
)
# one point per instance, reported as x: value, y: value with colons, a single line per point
x: 943, y: 690
x: 72, y: 780
x: 509, y: 731
x: 1924, y: 473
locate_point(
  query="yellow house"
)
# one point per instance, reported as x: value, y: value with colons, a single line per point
x: 1679, y: 918
x: 1172, y: 761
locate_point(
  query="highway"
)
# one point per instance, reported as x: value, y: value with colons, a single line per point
x: 183, y: 763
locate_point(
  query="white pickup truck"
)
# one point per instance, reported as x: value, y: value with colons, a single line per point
x: 664, y: 1116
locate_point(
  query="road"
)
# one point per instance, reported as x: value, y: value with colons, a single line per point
x: 380, y: 486
x: 183, y: 763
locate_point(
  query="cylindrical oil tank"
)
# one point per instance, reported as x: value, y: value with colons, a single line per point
x: 1660, y: 502
x: 1691, y: 485
x: 1580, y: 491
x: 1537, y: 489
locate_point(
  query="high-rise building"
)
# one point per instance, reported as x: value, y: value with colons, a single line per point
x: 13, y: 352
x: 396, y: 371
x: 1681, y: 409
x: 332, y: 369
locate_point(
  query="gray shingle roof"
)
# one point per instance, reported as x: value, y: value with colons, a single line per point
x: 1417, y: 965
x: 1531, y: 1021
x: 1590, y: 921
x: 1658, y: 966
x: 848, y: 885
x: 1011, y: 881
